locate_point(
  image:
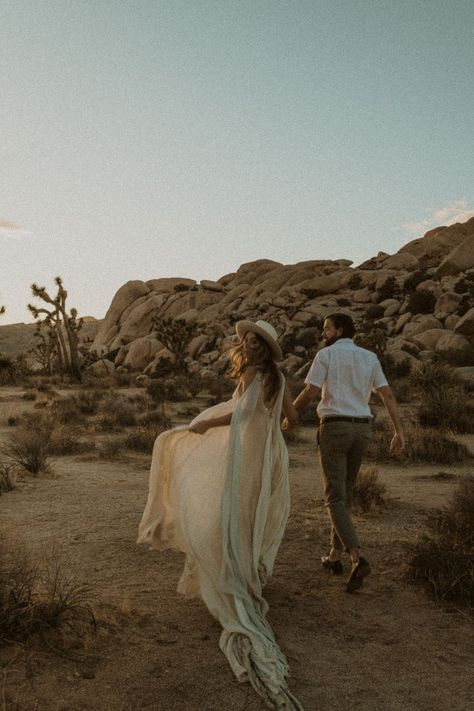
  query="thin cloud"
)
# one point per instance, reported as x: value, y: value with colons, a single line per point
x: 8, y: 231
x: 454, y: 211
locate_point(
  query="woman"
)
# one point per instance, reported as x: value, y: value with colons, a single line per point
x: 219, y: 492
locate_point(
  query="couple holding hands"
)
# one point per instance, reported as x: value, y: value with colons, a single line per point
x: 219, y: 488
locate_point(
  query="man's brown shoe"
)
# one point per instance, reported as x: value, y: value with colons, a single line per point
x: 356, y: 578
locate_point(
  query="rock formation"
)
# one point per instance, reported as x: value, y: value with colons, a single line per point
x: 296, y: 298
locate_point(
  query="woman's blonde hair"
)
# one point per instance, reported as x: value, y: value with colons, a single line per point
x: 239, y: 363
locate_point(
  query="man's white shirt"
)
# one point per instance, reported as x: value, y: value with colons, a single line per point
x: 346, y: 374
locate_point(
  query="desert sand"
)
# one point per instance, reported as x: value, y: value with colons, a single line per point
x: 384, y: 648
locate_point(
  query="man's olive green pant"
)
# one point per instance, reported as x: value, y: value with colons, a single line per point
x: 341, y: 447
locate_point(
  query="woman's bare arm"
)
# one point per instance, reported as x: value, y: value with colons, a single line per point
x: 201, y: 427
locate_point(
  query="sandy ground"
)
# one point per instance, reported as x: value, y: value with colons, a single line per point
x: 384, y: 648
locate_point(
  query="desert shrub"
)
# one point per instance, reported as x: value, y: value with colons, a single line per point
x: 29, y: 444
x: 369, y: 492
x: 440, y: 407
x: 178, y: 388
x: 66, y: 410
x: 465, y: 285
x: 442, y: 560
x: 422, y: 446
x: 373, y: 337
x: 396, y: 369
x: 65, y: 441
x: 141, y: 439
x: 41, y: 601
x: 115, y: 411
x: 157, y: 418
x: 13, y: 420
x: 374, y: 311
x: 389, y: 289
x: 431, y: 375
x: 355, y: 282
x: 421, y: 302
x: 457, y: 358
x: 8, y: 374
x: 8, y: 472
x: 343, y: 301
x: 111, y: 449
x: 157, y: 390
x: 88, y: 401
x: 412, y: 281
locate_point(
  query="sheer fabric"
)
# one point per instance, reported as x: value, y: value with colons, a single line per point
x: 223, y: 499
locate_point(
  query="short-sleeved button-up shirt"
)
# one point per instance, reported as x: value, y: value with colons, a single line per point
x: 346, y: 374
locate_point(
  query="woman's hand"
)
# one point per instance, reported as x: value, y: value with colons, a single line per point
x: 199, y: 427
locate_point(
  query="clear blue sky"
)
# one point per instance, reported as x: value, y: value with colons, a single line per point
x: 183, y: 138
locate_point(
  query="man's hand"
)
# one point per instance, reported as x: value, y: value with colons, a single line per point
x: 397, y: 443
x: 199, y: 427
x: 285, y: 424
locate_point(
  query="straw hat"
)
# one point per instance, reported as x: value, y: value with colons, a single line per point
x: 263, y: 329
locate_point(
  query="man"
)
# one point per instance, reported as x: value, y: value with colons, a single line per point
x: 343, y: 375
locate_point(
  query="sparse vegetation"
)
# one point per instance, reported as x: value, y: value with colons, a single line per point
x: 8, y: 472
x: 29, y: 443
x: 441, y: 391
x: 442, y: 560
x: 369, y: 492
x: 41, y: 601
x: 423, y: 446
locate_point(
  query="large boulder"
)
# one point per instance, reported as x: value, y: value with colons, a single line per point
x: 126, y: 295
x: 327, y: 284
x: 427, y: 340
x: 465, y: 325
x: 457, y: 347
x: 141, y: 352
x: 447, y: 303
x: 459, y: 259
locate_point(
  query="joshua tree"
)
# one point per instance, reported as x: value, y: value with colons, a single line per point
x: 175, y: 334
x: 64, y: 327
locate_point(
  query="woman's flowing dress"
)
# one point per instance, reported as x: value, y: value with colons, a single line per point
x: 223, y: 499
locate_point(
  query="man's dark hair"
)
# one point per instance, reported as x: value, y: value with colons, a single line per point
x: 345, y: 322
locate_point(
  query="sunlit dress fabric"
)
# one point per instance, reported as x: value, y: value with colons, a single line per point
x: 223, y: 499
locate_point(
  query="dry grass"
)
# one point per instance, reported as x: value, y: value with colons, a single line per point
x: 41, y: 602
x: 369, y: 492
x: 8, y: 473
x: 28, y: 445
x: 442, y: 560
x: 423, y: 446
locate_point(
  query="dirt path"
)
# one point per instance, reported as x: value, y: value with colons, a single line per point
x: 382, y: 649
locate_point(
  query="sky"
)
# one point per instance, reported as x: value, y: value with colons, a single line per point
x: 183, y: 138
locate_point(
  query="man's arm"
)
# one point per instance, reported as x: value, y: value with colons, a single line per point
x: 388, y: 398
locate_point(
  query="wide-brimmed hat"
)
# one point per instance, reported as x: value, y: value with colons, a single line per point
x: 263, y: 329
